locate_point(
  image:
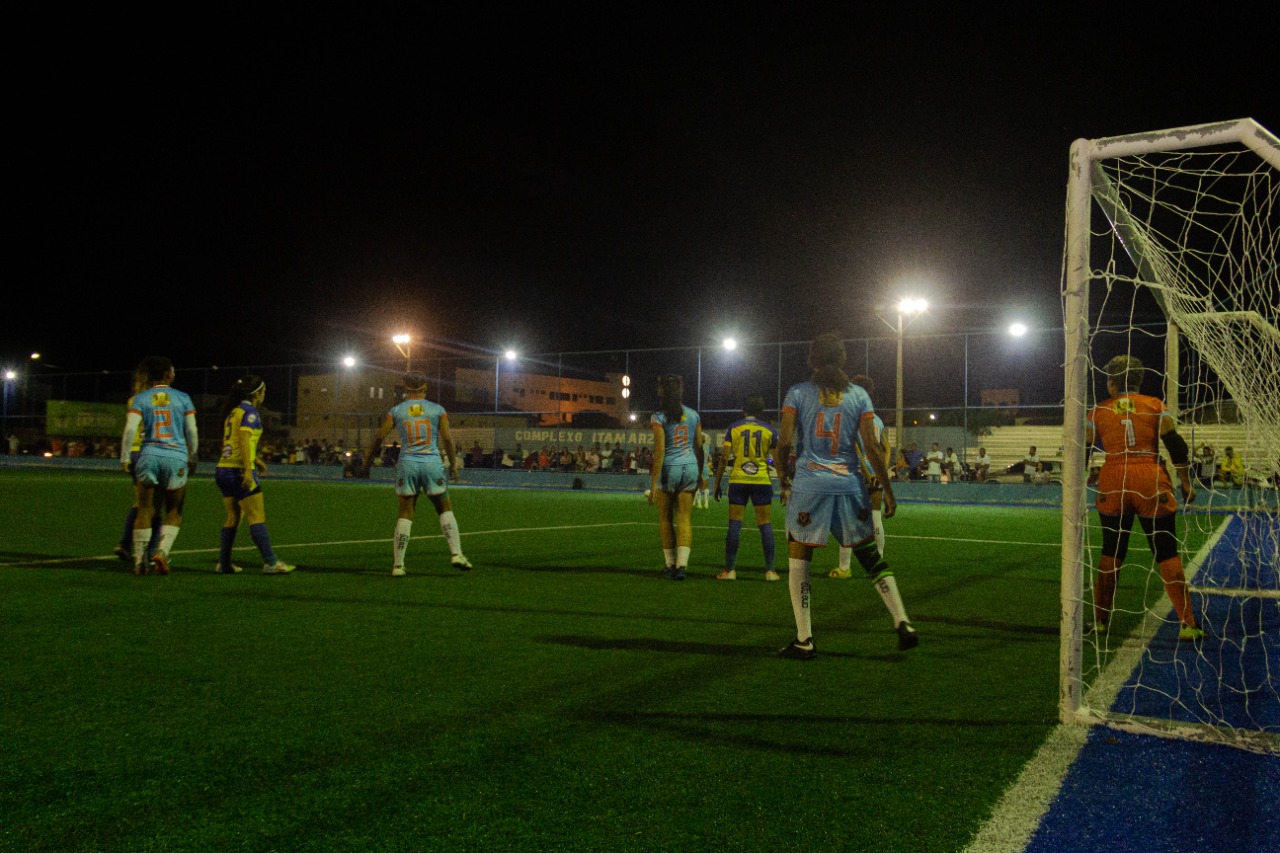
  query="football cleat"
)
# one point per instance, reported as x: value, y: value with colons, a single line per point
x: 907, y: 637
x: 460, y: 563
x: 677, y: 574
x: 124, y: 554
x: 771, y: 575
x: 840, y: 574
x: 397, y: 571
x: 160, y: 563
x: 280, y: 568
x: 232, y: 569
x: 727, y: 575
x: 796, y: 650
x: 1190, y: 632
x: 139, y: 569
x: 668, y: 572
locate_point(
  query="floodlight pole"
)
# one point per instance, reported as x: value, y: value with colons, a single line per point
x: 897, y: 418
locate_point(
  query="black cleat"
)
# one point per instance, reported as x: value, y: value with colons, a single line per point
x: 907, y: 637
x: 797, y: 650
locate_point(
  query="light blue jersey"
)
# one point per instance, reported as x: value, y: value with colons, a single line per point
x: 881, y: 442
x: 418, y: 423
x: 826, y: 437
x: 164, y: 413
x: 678, y: 437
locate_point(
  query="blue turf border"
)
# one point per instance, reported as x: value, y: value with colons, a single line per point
x: 1129, y: 793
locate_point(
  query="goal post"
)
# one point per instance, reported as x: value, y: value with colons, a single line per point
x: 1170, y: 255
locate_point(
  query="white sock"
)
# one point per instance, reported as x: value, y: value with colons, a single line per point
x: 798, y: 582
x: 877, y: 520
x: 141, y: 539
x: 682, y: 556
x: 669, y: 556
x: 846, y: 558
x: 400, y: 543
x: 449, y: 527
x: 888, y: 589
x: 168, y: 533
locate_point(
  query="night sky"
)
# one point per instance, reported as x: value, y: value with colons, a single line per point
x: 281, y: 191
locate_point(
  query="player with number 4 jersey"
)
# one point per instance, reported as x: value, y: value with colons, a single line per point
x: 824, y: 419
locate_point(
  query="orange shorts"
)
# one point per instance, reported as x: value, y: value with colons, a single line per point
x: 1141, y: 488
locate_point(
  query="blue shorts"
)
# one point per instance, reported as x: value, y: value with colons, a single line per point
x: 163, y: 471
x: 420, y: 474
x: 759, y: 494
x: 814, y: 517
x: 679, y: 477
x: 231, y: 483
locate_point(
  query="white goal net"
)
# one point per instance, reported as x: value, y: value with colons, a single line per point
x: 1171, y: 257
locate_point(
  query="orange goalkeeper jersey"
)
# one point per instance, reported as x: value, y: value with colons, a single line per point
x: 1129, y: 426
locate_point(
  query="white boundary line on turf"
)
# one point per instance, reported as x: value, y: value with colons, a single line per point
x: 897, y: 536
x: 1022, y: 807
x: 279, y: 547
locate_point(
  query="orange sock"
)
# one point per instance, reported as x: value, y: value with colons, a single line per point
x: 1104, y: 590
x: 1175, y: 586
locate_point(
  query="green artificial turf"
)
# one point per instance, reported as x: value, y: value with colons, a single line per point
x: 561, y: 696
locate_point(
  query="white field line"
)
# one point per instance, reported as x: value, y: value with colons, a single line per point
x: 481, y: 533
x: 1017, y: 815
x: 280, y: 547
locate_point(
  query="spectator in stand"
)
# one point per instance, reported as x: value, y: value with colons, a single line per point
x: 982, y: 465
x: 951, y: 465
x: 1206, y: 465
x: 934, y: 460
x: 14, y: 444
x: 618, y: 459
x: 901, y: 469
x: 1030, y: 464
x: 498, y: 455
x: 1231, y: 471
x: 475, y: 456
x: 915, y: 459
x: 592, y: 460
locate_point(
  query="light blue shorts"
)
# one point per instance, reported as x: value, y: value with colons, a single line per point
x: 679, y: 477
x: 163, y: 471
x: 814, y: 517
x: 420, y: 474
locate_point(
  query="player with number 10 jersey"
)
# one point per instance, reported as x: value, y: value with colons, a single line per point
x: 417, y: 422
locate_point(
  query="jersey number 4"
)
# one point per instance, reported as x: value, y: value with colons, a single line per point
x: 821, y: 431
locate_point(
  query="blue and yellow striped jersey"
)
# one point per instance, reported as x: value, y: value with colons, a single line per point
x: 243, y: 418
